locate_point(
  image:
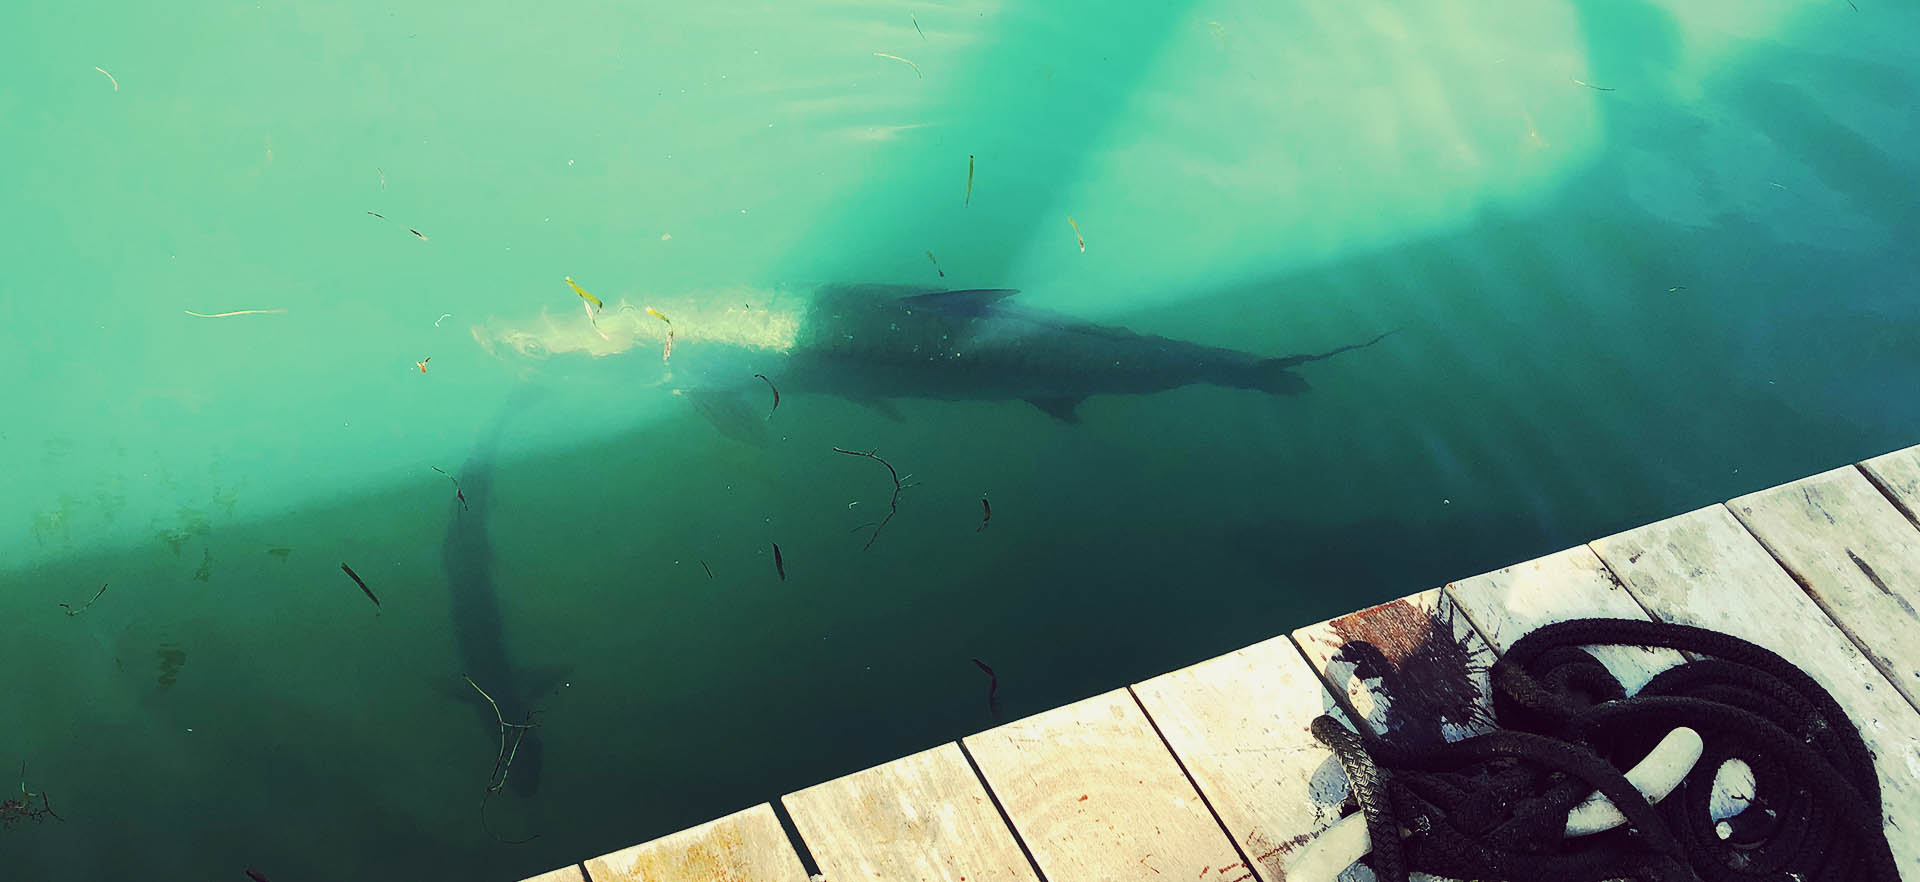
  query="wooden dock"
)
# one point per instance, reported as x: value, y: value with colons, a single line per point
x: 1209, y: 773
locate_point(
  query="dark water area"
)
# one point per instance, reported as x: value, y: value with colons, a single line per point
x: 1608, y: 307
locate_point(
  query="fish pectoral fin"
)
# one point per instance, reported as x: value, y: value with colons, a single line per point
x: 969, y: 302
x: 1064, y: 409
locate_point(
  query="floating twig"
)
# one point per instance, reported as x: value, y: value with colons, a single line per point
x: 923, y: 34
x: 667, y: 352
x: 916, y: 68
x: 993, y: 688
x: 986, y: 513
x: 457, y: 492
x: 383, y: 178
x: 779, y: 563
x: 423, y: 236
x: 776, y: 394
x: 116, y: 83
x: 511, y: 734
x: 1579, y: 82
x: 893, y: 505
x: 969, y: 200
x: 233, y: 313
x: 362, y: 583
x: 443, y: 317
x: 74, y: 611
x: 422, y: 363
x: 703, y: 565
x: 936, y: 265
x: 1076, y: 234
x: 13, y: 811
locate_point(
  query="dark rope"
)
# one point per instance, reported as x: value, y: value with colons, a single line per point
x: 1494, y: 806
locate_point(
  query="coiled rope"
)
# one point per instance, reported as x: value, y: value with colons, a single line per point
x: 1494, y: 806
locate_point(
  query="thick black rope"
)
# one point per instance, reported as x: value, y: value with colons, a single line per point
x: 1494, y: 806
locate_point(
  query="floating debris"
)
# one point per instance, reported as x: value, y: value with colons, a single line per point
x: 779, y: 563
x: 923, y: 34
x: 422, y: 363
x: 703, y: 565
x: 362, y: 583
x: 74, y: 611
x: 423, y: 236
x: 993, y: 688
x: 776, y: 394
x: 1076, y: 234
x: 116, y: 83
x: 893, y: 505
x: 1578, y: 82
x: 936, y: 265
x: 969, y: 200
x: 916, y: 68
x: 233, y: 313
x: 443, y: 317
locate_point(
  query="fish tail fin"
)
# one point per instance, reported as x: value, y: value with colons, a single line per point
x: 1276, y: 376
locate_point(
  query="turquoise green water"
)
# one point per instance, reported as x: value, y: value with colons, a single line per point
x: 1614, y: 306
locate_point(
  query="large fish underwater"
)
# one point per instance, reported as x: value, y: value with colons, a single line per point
x: 870, y: 343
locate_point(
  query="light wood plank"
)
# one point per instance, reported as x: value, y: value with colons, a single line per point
x: 1897, y: 474
x: 1412, y: 668
x: 569, y: 873
x: 1094, y: 794
x: 746, y: 846
x: 1239, y: 725
x: 1508, y: 603
x: 924, y: 817
x: 1703, y: 568
x: 1856, y: 555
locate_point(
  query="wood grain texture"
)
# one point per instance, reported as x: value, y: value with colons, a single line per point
x: 1703, y: 568
x: 570, y: 873
x: 1095, y: 794
x: 746, y: 846
x: 1506, y: 604
x: 1413, y: 669
x: 1239, y: 725
x: 1856, y: 555
x: 923, y: 818
x: 1897, y: 474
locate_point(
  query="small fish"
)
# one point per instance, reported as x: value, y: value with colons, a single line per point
x: 597, y: 305
x: 1591, y: 86
x: 422, y: 363
x: 969, y: 181
x: 986, y: 513
x: 779, y: 563
x: 776, y: 394
x: 1676, y: 288
x: 936, y: 265
x: 378, y: 215
x: 462, y: 496
x: 363, y: 585
x: 255, y: 875
x: 1076, y: 234
x: 423, y: 236
x: 703, y: 565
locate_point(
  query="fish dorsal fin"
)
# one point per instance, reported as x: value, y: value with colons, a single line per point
x: 1064, y: 409
x: 971, y: 301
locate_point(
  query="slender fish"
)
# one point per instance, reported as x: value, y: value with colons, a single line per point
x: 776, y: 394
x: 986, y: 513
x: 779, y: 563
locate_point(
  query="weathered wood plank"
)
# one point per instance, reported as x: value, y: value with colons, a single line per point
x: 1094, y: 793
x: 1856, y: 555
x: 924, y: 817
x: 1506, y: 604
x: 1413, y: 668
x: 570, y: 873
x: 746, y: 846
x: 1239, y: 725
x: 1703, y: 568
x: 1897, y: 474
